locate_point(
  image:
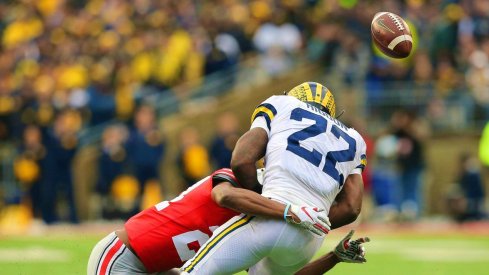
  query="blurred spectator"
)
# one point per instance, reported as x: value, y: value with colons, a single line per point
x: 477, y: 77
x: 27, y: 166
x: 277, y: 41
x: 422, y: 72
x: 447, y: 77
x: 145, y: 146
x: 124, y: 200
x: 60, y: 142
x: 193, y: 160
x: 113, y: 160
x: 445, y: 32
x: 408, y: 131
x: 352, y: 59
x: 470, y: 181
x: 385, y: 178
x: 227, y: 135
x: 101, y: 100
x: 229, y: 45
x: 476, y: 24
x: 324, y: 43
x: 216, y: 60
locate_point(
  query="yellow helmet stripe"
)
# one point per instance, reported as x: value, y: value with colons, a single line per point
x: 307, y: 89
x: 319, y: 93
x: 315, y: 92
x: 326, y: 98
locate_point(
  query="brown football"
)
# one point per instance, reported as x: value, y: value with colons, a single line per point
x: 391, y: 35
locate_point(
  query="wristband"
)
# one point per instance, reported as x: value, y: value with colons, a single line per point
x: 286, y: 211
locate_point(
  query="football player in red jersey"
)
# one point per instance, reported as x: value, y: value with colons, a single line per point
x: 165, y: 236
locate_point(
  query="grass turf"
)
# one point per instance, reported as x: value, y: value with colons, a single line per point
x: 386, y: 254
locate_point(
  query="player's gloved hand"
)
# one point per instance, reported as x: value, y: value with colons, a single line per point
x: 310, y: 218
x: 351, y: 251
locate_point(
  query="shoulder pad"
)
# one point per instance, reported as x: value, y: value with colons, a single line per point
x: 224, y: 174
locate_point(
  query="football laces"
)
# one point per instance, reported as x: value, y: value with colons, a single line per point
x: 396, y: 20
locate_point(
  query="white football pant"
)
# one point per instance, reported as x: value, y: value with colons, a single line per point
x: 265, y: 246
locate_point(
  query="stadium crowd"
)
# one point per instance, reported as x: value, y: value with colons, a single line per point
x: 68, y: 65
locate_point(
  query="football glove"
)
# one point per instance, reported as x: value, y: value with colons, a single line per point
x: 312, y: 219
x: 351, y: 251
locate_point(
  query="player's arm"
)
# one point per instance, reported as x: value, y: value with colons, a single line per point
x: 346, y: 251
x: 320, y: 266
x: 248, y: 150
x: 348, y: 203
x: 249, y: 202
x: 252, y: 145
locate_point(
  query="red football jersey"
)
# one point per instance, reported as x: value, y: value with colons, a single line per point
x: 171, y: 232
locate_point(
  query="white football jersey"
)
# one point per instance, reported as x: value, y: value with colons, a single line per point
x: 309, y: 153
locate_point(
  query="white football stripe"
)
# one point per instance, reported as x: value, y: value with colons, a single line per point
x: 398, y: 40
x: 377, y: 15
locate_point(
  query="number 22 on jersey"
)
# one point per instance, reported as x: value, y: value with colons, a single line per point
x: 314, y: 156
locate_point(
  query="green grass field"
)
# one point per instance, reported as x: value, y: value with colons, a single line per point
x: 403, y: 253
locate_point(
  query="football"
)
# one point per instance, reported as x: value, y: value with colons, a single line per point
x: 391, y: 35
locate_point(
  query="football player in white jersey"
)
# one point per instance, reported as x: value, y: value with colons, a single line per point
x: 311, y: 158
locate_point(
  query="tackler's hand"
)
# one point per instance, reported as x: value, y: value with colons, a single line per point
x: 351, y: 251
x: 310, y: 218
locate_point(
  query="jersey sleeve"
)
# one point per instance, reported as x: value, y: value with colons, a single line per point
x: 264, y: 114
x: 360, y: 157
x: 226, y: 175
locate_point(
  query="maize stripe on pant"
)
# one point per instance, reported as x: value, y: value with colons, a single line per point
x: 266, y: 246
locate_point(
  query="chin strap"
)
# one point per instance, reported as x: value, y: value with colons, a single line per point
x: 341, y: 113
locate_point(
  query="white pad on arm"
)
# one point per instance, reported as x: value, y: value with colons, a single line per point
x: 260, y: 122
